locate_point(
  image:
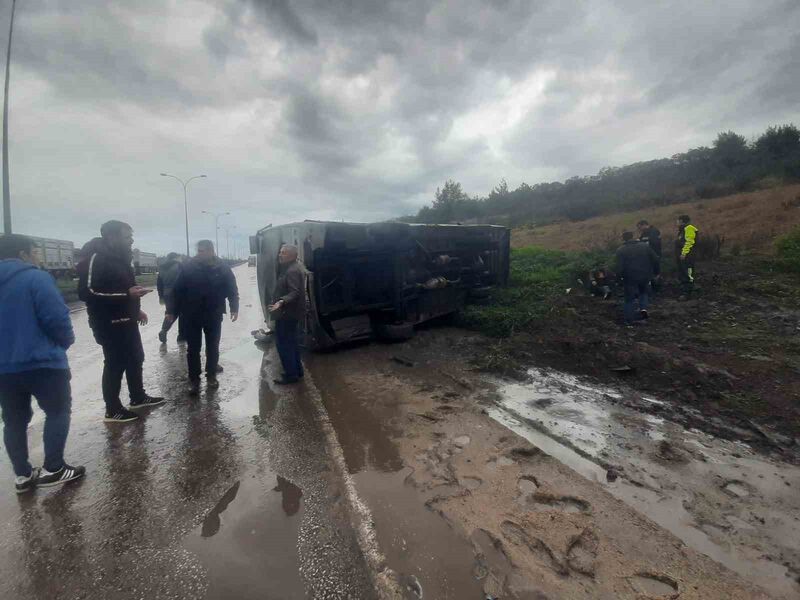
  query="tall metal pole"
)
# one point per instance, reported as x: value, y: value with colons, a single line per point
x: 186, y: 214
x: 185, y: 184
x: 216, y: 227
x: 6, y: 186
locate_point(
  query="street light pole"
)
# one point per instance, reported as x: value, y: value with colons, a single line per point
x: 227, y: 241
x: 216, y: 225
x: 185, y: 203
x: 6, y: 185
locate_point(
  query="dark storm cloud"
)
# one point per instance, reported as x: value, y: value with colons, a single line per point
x: 359, y: 109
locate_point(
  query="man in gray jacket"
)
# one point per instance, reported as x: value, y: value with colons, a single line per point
x: 289, y: 309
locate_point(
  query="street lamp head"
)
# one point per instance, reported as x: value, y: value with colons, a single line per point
x: 164, y: 175
x: 202, y: 175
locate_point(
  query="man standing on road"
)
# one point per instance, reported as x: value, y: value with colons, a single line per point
x: 108, y: 286
x: 289, y: 308
x: 199, y: 299
x: 651, y: 235
x: 165, y: 284
x: 36, y: 331
x: 637, y: 264
x: 684, y: 255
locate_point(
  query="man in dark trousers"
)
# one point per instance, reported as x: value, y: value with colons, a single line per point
x: 288, y: 308
x: 199, y: 299
x: 637, y: 264
x: 652, y: 236
x: 107, y: 284
x: 684, y: 254
x: 165, y: 284
x: 36, y: 331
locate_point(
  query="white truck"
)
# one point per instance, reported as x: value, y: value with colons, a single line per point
x: 144, y: 262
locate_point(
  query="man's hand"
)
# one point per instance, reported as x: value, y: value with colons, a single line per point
x: 276, y: 306
x: 234, y: 316
x: 169, y: 318
x: 142, y: 318
x: 138, y: 291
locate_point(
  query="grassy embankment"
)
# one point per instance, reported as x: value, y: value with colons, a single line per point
x: 69, y: 287
x: 734, y: 349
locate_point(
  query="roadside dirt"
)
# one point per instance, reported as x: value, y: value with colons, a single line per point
x: 467, y: 508
x: 728, y: 360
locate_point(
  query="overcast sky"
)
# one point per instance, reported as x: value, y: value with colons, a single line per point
x: 360, y: 109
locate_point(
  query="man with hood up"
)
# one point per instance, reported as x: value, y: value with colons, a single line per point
x: 107, y: 284
x: 36, y: 331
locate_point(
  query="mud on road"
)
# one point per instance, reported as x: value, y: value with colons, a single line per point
x: 551, y: 487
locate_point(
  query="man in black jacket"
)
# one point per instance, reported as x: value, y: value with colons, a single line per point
x: 108, y: 286
x: 165, y: 284
x: 288, y: 308
x: 651, y: 235
x: 199, y: 299
x: 637, y: 264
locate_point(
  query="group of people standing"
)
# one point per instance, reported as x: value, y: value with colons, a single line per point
x: 36, y: 330
x: 638, y: 268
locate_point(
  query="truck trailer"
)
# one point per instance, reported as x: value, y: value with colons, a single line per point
x: 57, y: 256
x: 144, y: 262
x: 381, y: 279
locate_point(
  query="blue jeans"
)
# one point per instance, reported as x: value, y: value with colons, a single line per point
x: 634, y: 290
x: 52, y: 391
x: 288, y: 349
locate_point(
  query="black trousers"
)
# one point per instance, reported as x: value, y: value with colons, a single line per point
x: 288, y: 347
x: 167, y: 325
x: 686, y: 273
x: 123, y: 354
x: 195, y: 326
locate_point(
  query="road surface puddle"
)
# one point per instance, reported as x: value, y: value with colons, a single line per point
x: 720, y: 497
x: 247, y: 542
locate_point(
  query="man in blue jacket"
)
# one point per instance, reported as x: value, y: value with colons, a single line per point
x: 36, y: 331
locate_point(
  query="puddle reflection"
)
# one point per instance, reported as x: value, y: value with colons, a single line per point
x: 211, y: 523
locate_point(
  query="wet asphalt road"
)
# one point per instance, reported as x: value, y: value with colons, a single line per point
x: 229, y: 495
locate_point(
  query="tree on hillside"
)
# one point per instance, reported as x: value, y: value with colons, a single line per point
x: 447, y: 201
x: 730, y: 149
x: 779, y: 142
x: 730, y: 165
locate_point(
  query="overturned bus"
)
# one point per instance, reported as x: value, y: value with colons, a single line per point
x: 382, y: 279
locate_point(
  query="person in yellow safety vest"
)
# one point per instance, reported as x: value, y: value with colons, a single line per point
x: 684, y: 254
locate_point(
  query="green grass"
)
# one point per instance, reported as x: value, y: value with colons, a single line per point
x: 538, y: 277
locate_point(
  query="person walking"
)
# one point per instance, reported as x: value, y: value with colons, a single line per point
x: 288, y: 309
x: 636, y: 266
x: 652, y: 236
x: 113, y: 300
x: 684, y: 255
x: 202, y: 287
x: 165, y: 285
x: 36, y: 331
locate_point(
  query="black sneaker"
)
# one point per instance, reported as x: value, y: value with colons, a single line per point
x: 162, y: 337
x: 286, y: 380
x: 644, y: 314
x: 194, y: 387
x: 181, y: 340
x: 147, y: 401
x: 26, y: 484
x: 220, y: 369
x: 63, y: 475
x: 212, y: 382
x: 121, y: 416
